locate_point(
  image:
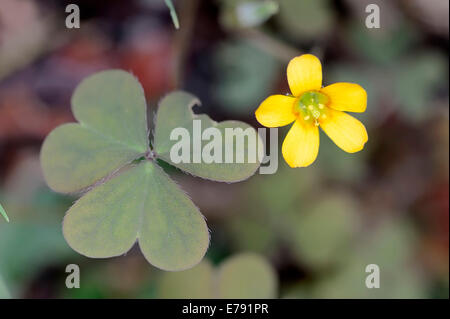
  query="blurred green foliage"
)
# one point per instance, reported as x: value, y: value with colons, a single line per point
x: 242, y: 82
x: 425, y: 73
x: 384, y: 45
x: 25, y: 248
x: 34, y: 240
x: 4, y: 294
x: 246, y: 13
x: 305, y: 19
x: 243, y: 276
x: 324, y: 233
x: 194, y: 283
x: 390, y: 246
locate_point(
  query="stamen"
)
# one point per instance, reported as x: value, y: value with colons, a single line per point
x: 311, y: 106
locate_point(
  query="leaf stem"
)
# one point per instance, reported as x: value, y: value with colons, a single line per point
x: 150, y: 155
x: 173, y: 13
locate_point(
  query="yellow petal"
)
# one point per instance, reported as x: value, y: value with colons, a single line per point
x: 349, y: 97
x: 304, y: 73
x: 301, y: 145
x: 276, y: 111
x: 345, y: 131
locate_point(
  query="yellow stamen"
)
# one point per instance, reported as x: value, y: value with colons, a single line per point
x: 310, y: 107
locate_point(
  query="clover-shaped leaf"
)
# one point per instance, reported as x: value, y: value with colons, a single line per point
x: 242, y: 276
x: 129, y: 198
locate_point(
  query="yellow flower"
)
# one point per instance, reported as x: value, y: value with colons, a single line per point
x: 311, y: 106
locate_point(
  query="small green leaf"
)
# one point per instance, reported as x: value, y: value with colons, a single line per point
x: 112, y: 131
x: 242, y: 276
x: 175, y: 111
x: 3, y: 213
x: 141, y: 204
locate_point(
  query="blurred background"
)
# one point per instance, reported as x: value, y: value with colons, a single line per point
x: 315, y: 228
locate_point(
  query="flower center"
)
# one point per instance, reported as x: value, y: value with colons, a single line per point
x: 311, y: 107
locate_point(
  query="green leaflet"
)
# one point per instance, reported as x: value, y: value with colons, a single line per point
x: 173, y: 113
x: 141, y: 203
x: 243, y: 276
x: 130, y: 198
x: 74, y: 157
x: 112, y: 131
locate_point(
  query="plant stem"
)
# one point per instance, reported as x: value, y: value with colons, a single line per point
x: 173, y: 13
x: 3, y: 212
x: 188, y: 13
